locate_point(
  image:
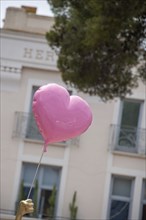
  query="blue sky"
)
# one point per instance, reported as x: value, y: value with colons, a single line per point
x: 42, y: 7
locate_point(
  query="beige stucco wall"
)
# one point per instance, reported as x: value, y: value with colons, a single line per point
x: 129, y: 162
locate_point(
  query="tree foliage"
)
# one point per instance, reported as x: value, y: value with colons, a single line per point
x: 99, y: 42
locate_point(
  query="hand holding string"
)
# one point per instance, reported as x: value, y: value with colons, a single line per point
x: 25, y: 207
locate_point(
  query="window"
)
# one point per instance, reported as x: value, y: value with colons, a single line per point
x: 47, y: 178
x: 128, y: 130
x: 32, y: 131
x: 120, y: 198
x: 143, y: 207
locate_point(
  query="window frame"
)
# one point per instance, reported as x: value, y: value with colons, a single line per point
x: 30, y: 115
x: 39, y: 178
x: 120, y: 198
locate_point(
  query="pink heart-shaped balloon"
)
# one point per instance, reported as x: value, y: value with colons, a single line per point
x: 58, y: 115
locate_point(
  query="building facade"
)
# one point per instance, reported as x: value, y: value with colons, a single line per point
x: 105, y: 166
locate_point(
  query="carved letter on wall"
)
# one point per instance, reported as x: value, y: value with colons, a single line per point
x: 28, y: 53
x: 39, y: 54
x: 49, y: 55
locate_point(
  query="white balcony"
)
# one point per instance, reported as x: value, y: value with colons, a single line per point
x: 127, y: 139
x: 25, y: 128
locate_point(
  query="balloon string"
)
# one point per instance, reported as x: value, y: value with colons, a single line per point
x: 35, y: 176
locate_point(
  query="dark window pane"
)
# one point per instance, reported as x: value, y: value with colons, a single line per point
x: 129, y: 123
x: 144, y: 212
x: 121, y: 187
x: 29, y: 172
x: 51, y: 176
x: 130, y: 113
x: 119, y: 210
x: 26, y: 191
x: 32, y: 129
x: 144, y: 189
x: 70, y: 91
x: 44, y: 203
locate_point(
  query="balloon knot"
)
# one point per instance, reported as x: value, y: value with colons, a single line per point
x: 45, y: 147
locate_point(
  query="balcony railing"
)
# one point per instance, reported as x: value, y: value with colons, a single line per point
x: 127, y: 139
x: 25, y: 128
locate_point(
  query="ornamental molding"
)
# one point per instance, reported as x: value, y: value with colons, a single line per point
x: 11, y: 69
x: 10, y: 77
x: 10, y: 72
